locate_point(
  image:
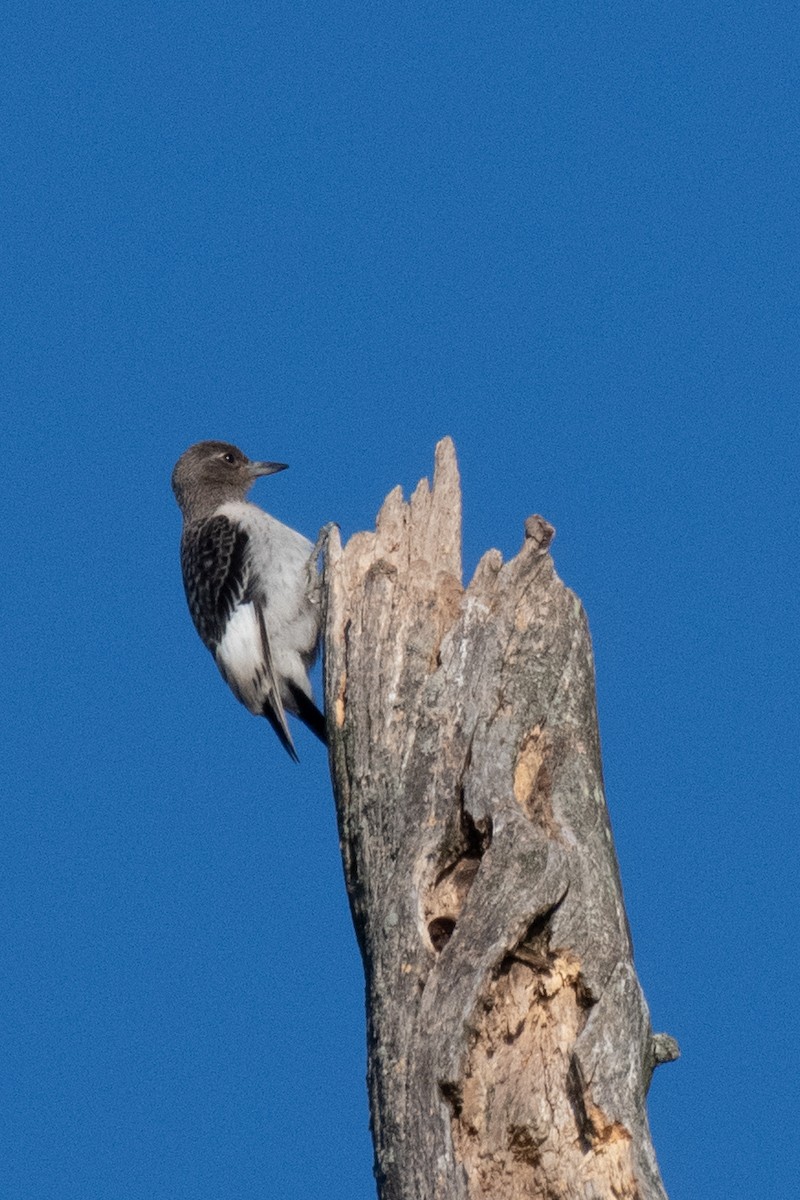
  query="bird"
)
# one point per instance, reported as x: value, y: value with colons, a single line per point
x: 249, y: 583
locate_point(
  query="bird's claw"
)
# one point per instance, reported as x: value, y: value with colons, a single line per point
x: 314, y: 579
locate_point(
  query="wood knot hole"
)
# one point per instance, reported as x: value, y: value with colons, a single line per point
x: 440, y: 931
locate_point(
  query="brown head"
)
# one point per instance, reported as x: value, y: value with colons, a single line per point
x: 212, y: 473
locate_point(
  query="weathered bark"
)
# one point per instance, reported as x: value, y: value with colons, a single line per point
x: 509, y: 1043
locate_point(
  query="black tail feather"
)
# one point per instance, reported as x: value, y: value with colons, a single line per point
x: 276, y: 725
x: 309, y: 714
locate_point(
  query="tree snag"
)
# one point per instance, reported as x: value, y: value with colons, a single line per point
x: 509, y: 1043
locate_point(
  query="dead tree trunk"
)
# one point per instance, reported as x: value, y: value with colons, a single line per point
x: 509, y: 1043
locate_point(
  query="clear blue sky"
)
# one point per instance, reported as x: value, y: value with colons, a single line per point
x: 567, y: 235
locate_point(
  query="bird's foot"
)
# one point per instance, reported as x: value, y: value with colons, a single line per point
x: 313, y: 577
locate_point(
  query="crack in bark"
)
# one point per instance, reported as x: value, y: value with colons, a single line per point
x: 446, y: 896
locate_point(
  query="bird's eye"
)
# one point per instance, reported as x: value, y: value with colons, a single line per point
x: 229, y: 458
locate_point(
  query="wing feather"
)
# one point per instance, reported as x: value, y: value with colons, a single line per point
x: 272, y: 708
x: 214, y: 559
x: 229, y: 615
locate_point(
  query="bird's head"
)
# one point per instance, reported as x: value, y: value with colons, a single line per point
x: 212, y: 473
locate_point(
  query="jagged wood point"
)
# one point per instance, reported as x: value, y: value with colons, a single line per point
x: 509, y: 1043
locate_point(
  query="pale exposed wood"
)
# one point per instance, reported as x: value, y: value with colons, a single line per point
x: 509, y: 1044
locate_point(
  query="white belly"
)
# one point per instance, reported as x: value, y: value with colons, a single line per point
x: 279, y: 560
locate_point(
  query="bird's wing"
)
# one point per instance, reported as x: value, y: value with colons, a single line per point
x: 272, y: 707
x: 214, y: 558
x: 229, y: 616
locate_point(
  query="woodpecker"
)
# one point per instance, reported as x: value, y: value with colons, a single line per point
x: 249, y: 586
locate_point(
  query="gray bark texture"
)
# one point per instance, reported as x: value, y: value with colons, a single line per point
x: 509, y: 1043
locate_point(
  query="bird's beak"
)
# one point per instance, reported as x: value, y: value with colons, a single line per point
x: 266, y: 468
